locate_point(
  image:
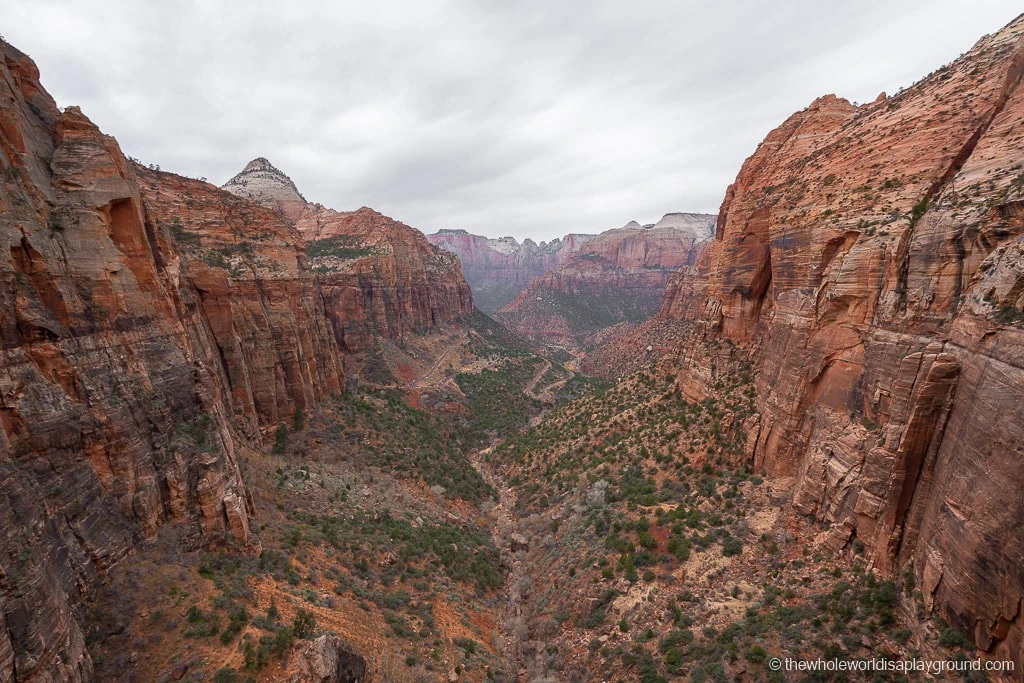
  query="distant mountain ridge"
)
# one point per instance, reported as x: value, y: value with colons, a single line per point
x: 498, y: 269
x: 618, y: 276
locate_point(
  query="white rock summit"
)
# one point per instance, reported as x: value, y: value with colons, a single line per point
x: 261, y: 182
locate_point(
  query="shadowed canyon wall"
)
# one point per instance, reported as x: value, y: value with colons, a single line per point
x: 871, y: 260
x: 141, y: 353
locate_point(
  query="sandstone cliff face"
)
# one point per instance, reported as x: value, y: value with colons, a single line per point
x: 117, y: 380
x: 870, y: 260
x: 686, y: 288
x: 376, y: 275
x: 379, y: 276
x: 499, y: 269
x: 245, y: 280
x: 618, y: 276
x: 328, y: 659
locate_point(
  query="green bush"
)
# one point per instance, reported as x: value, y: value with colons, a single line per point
x: 201, y: 623
x: 732, y: 546
x: 950, y: 637
x: 225, y: 675
x: 304, y: 624
x: 280, y: 439
x: 756, y: 654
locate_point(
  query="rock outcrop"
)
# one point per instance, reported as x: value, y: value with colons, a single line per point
x: 499, y: 269
x: 123, y: 364
x: 250, y: 286
x: 377, y: 276
x: 618, y: 276
x: 381, y: 277
x: 328, y: 659
x: 870, y: 259
x: 264, y: 184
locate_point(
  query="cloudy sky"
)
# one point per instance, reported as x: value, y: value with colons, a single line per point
x: 526, y: 118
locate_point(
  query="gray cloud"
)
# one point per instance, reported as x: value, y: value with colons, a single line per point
x: 526, y: 118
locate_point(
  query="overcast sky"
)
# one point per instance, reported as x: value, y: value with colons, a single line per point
x: 523, y: 118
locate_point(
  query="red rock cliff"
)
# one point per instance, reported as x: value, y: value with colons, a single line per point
x: 377, y: 275
x: 618, y: 276
x: 499, y: 269
x: 871, y: 259
x: 251, y: 288
x: 118, y: 374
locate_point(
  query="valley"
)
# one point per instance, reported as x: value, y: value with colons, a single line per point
x: 247, y: 437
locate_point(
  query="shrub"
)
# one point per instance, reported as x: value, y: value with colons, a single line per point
x: 304, y: 624
x: 756, y: 654
x: 225, y: 675
x: 201, y: 623
x: 467, y: 645
x: 674, y: 639
x: 950, y: 637
x: 918, y: 211
x: 280, y: 439
x: 731, y: 547
x: 680, y: 547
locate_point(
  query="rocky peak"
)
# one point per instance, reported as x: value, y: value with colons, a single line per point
x: 499, y: 268
x: 261, y: 164
x: 265, y: 184
x: 700, y: 225
x: 617, y: 276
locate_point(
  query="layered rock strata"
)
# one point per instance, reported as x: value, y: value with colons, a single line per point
x: 499, y: 269
x: 377, y: 276
x: 618, y: 276
x: 123, y: 364
x: 871, y: 261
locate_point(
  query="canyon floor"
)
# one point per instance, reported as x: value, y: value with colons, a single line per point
x: 472, y: 510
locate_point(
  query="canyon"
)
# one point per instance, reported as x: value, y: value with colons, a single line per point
x: 618, y: 276
x: 499, y: 269
x: 244, y: 434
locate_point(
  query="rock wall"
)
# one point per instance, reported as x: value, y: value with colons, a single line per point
x: 869, y: 258
x: 618, y: 276
x: 376, y: 275
x: 120, y: 366
x: 248, y: 284
x: 381, y: 277
x: 499, y: 269
x: 686, y: 288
